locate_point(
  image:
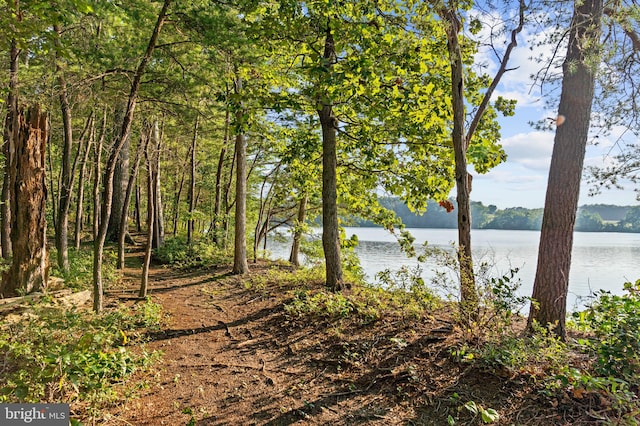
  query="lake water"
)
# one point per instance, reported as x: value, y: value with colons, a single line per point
x: 600, y: 260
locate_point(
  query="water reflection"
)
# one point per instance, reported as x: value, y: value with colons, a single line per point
x: 599, y: 260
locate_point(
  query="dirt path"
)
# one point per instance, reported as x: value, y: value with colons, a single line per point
x: 232, y: 357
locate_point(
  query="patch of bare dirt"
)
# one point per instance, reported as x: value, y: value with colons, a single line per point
x: 231, y: 356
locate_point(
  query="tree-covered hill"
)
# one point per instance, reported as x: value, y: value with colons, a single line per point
x: 591, y: 217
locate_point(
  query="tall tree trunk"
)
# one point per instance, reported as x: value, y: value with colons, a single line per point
x: 66, y: 183
x: 53, y: 187
x: 297, y: 231
x: 122, y: 234
x: 120, y: 180
x: 111, y: 163
x: 468, y: 292
x: 151, y: 165
x: 563, y: 188
x: 29, y: 266
x: 330, y: 226
x: 192, y: 183
x: 228, y: 201
x: 177, y: 198
x: 137, y: 208
x: 158, y: 228
x: 240, y: 265
x: 216, y: 222
x: 97, y: 173
x: 81, y: 184
x: 8, y: 147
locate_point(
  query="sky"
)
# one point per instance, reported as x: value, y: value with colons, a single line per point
x: 522, y: 180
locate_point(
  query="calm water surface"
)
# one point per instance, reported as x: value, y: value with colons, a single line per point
x: 599, y: 261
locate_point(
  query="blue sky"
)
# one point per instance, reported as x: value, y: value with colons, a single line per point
x: 522, y: 180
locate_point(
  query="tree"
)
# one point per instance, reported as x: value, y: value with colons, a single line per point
x: 30, y: 263
x: 563, y: 187
x: 461, y: 139
x: 9, y: 135
x: 111, y: 163
x: 240, y: 265
x: 66, y: 184
x: 631, y: 221
x: 588, y: 221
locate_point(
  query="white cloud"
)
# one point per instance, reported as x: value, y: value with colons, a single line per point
x: 531, y: 150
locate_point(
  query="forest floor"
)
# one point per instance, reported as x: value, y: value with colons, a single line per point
x: 232, y: 356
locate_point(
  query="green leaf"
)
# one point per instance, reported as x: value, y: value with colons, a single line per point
x: 472, y: 407
x: 490, y: 415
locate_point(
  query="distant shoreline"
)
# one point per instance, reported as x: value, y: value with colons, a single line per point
x: 589, y: 218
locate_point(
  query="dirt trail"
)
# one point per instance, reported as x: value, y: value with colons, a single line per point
x: 232, y: 357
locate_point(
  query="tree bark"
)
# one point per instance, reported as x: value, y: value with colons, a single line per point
x: 294, y: 258
x: 178, y: 195
x: 563, y: 188
x: 468, y: 292
x: 151, y: 165
x: 137, y: 208
x: 120, y: 179
x: 111, y: 163
x: 81, y: 184
x: 8, y: 148
x: 330, y: 226
x: 66, y: 181
x: 217, y: 207
x: 97, y: 173
x: 240, y: 265
x: 158, y: 216
x: 192, y: 183
x: 122, y: 233
x: 29, y: 267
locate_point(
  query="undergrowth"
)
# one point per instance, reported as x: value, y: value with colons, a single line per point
x: 600, y: 370
x: 80, y: 272
x: 70, y: 355
x: 200, y: 254
x: 365, y: 303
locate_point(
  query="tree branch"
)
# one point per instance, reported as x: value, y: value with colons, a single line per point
x: 503, y: 68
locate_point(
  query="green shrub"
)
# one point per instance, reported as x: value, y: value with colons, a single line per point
x: 57, y: 355
x: 409, y: 288
x: 80, y: 275
x: 540, y: 354
x: 320, y: 304
x: 615, y: 322
x: 200, y: 254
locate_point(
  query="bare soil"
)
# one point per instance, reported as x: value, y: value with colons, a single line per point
x: 232, y: 356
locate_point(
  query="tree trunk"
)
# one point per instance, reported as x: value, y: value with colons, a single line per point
x: 29, y: 266
x: 122, y: 233
x: 192, y: 183
x: 215, y: 228
x: 151, y: 165
x: 177, y: 198
x: 264, y: 213
x: 297, y: 233
x: 330, y: 227
x: 563, y: 188
x: 137, y: 208
x: 81, y: 183
x: 111, y: 163
x: 120, y: 179
x: 62, y: 228
x: 97, y: 173
x: 240, y: 265
x: 468, y: 292
x: 158, y: 216
x: 8, y: 148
